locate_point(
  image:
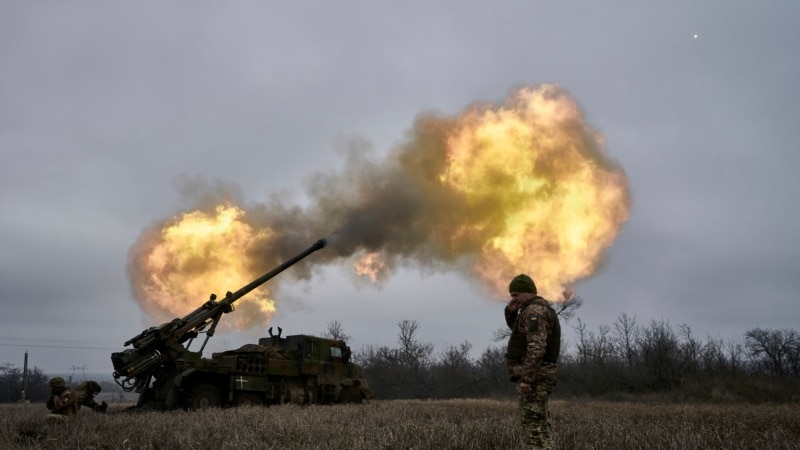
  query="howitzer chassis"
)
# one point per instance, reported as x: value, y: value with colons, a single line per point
x: 297, y: 369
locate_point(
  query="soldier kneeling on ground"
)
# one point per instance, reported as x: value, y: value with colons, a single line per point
x: 86, y: 392
x: 63, y: 402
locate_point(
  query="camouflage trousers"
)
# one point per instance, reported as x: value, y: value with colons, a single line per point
x: 536, y: 417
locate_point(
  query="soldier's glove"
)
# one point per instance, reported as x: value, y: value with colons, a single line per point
x: 101, y: 408
x: 511, y: 316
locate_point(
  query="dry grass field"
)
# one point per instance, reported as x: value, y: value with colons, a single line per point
x: 411, y: 424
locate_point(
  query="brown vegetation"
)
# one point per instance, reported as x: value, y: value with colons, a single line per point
x: 419, y: 424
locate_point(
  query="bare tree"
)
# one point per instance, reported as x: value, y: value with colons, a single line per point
x: 659, y: 349
x: 594, y: 348
x: 11, y: 384
x: 569, y: 303
x: 492, y: 367
x: 689, y: 349
x: 501, y: 334
x: 734, y: 350
x: 583, y: 345
x: 335, y: 331
x: 456, y: 357
x: 774, y: 347
x: 625, y: 333
x: 712, y: 356
x: 413, y: 353
x: 793, y: 358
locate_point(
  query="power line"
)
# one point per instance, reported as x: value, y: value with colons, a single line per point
x: 54, y: 340
x: 57, y: 343
x: 59, y: 346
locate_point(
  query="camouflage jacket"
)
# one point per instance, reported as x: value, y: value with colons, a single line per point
x: 535, y: 342
x: 64, y: 403
x: 85, y: 393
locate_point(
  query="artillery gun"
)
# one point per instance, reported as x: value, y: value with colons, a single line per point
x: 299, y: 369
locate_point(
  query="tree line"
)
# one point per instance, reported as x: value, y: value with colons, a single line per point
x: 612, y: 361
x: 12, y: 384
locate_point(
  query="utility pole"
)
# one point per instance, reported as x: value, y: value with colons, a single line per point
x: 24, y: 398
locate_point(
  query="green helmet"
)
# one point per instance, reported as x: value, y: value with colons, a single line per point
x: 90, y: 386
x: 57, y: 383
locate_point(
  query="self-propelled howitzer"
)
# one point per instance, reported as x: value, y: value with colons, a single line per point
x: 166, y: 374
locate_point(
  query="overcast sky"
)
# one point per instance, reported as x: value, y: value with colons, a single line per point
x: 106, y: 107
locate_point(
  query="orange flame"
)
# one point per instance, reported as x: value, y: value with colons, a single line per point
x: 523, y: 187
x: 194, y: 253
x: 557, y: 202
x: 373, y: 266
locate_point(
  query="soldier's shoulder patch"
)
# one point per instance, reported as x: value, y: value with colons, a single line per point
x: 533, y: 323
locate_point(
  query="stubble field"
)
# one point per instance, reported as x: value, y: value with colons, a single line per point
x: 410, y: 424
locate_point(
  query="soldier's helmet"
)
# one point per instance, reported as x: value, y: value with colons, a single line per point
x: 57, y: 383
x: 90, y: 386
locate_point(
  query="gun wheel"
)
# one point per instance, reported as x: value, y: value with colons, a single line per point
x: 203, y: 395
x: 248, y: 399
x: 350, y: 394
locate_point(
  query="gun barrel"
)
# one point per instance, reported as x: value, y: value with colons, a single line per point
x: 263, y: 278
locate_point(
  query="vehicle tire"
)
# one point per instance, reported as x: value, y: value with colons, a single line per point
x: 248, y: 399
x: 202, y: 396
x: 350, y: 394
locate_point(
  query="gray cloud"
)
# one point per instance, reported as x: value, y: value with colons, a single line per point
x: 106, y: 109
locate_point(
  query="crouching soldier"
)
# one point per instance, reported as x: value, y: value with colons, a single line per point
x: 63, y: 402
x: 86, y: 392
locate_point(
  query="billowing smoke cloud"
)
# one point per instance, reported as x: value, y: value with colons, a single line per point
x: 493, y: 191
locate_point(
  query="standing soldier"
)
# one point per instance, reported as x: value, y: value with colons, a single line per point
x: 532, y: 357
x: 62, y: 402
